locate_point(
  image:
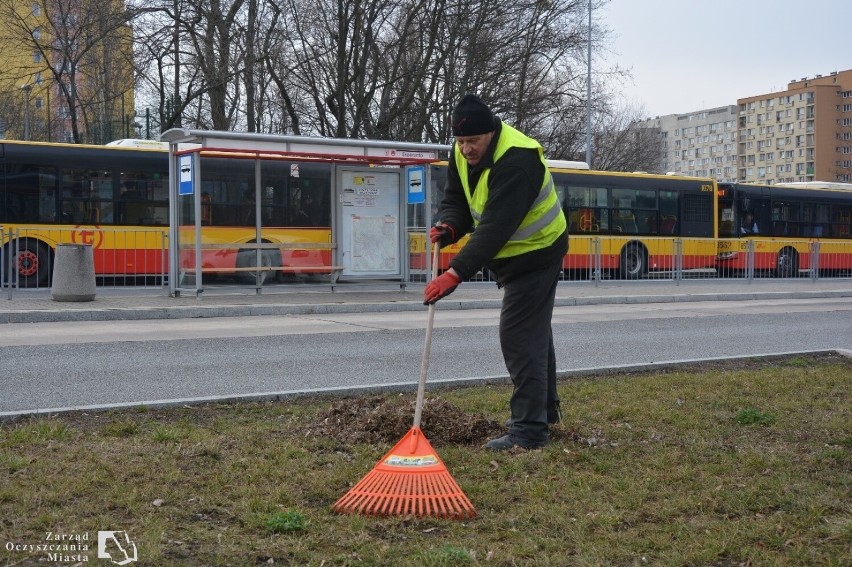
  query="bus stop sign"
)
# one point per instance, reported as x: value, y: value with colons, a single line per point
x: 185, y: 164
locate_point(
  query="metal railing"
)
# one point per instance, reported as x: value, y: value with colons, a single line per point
x: 139, y: 258
x: 123, y: 256
x: 745, y: 260
x: 602, y: 258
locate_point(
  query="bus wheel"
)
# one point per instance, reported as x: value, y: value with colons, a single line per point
x: 633, y: 263
x: 31, y: 264
x: 787, y: 265
x: 248, y: 259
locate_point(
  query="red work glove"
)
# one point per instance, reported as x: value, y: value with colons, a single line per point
x: 442, y: 233
x: 441, y: 286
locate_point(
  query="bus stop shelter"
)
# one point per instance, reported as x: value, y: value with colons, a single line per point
x: 370, y: 190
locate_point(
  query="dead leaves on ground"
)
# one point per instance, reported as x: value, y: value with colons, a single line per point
x: 385, y: 420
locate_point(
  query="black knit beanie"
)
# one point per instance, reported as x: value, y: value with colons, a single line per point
x: 472, y: 116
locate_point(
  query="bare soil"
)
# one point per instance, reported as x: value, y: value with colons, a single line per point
x: 385, y: 420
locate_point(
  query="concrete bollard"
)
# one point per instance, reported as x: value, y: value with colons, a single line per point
x: 74, y: 273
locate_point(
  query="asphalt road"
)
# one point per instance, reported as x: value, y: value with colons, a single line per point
x: 46, y: 366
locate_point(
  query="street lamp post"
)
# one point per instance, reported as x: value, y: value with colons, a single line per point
x: 589, y: 91
x: 26, y: 88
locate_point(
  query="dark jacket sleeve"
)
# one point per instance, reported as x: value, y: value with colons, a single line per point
x: 513, y: 185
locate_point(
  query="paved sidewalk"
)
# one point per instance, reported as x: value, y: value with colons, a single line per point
x: 28, y: 306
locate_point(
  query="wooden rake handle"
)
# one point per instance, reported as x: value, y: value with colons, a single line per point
x: 427, y: 347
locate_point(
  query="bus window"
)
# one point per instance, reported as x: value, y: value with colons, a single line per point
x: 206, y: 210
x: 668, y: 213
x: 143, y: 198
x: 274, y: 204
x: 247, y: 215
x: 231, y: 187
x: 290, y: 196
x: 624, y: 221
x: 302, y: 205
x: 785, y: 218
x: 593, y: 220
x: 634, y: 211
x: 47, y: 194
x: 814, y: 220
x: 310, y: 197
x: 808, y: 214
x: 587, y: 210
x: 748, y: 223
x: 439, y: 186
x: 726, y: 220
x: 30, y: 194
x: 87, y: 196
x: 842, y: 222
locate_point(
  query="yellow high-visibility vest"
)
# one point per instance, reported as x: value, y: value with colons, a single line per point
x: 543, y: 223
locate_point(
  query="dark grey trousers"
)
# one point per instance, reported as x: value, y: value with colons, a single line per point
x: 526, y: 338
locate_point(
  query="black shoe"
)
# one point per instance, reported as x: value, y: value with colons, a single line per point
x: 510, y: 441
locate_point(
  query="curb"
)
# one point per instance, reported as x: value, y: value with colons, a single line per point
x: 205, y: 311
x: 400, y: 387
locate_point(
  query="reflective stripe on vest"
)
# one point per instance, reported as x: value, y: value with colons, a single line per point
x: 530, y: 229
x: 543, y: 223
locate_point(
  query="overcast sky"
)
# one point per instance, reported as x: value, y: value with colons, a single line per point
x: 688, y: 55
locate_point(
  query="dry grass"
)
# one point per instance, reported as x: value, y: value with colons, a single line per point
x: 733, y: 464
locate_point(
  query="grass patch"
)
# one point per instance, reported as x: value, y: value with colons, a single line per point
x: 444, y: 556
x: 288, y: 521
x: 121, y: 428
x: 40, y: 432
x: 728, y: 464
x: 753, y: 416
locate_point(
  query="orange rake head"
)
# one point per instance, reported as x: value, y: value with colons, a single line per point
x: 410, y: 480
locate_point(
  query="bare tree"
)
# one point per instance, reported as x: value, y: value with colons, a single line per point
x: 348, y: 68
x: 75, y: 56
x: 622, y: 143
x: 387, y: 69
x: 393, y: 68
x: 189, y: 61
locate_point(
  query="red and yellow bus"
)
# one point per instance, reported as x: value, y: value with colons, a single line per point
x: 628, y: 222
x: 116, y: 198
x: 785, y: 229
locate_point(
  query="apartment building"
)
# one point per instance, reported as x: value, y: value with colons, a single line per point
x: 801, y: 134
x: 700, y: 144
